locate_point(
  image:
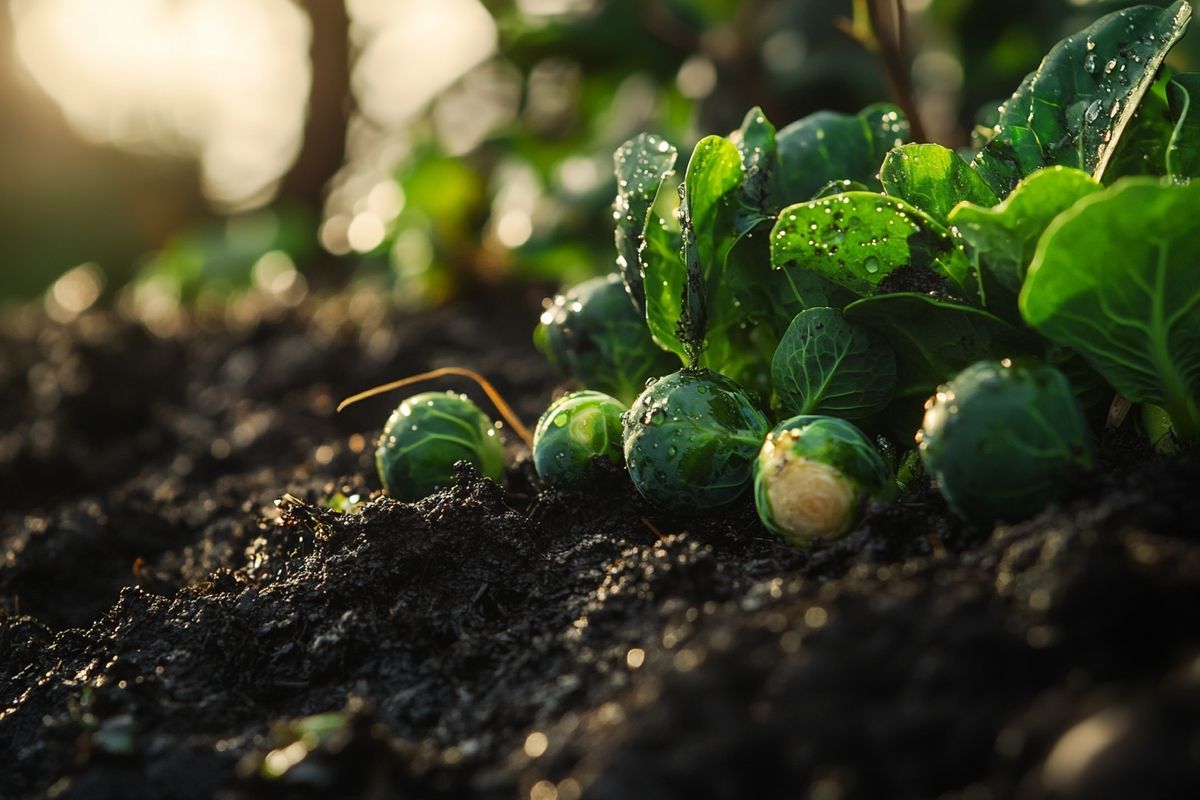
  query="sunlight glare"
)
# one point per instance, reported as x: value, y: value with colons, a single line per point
x: 225, y: 81
x: 414, y: 49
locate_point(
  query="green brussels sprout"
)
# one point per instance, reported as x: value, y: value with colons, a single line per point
x: 690, y: 440
x: 575, y: 430
x: 426, y: 435
x: 814, y: 475
x: 1001, y: 440
x: 594, y: 334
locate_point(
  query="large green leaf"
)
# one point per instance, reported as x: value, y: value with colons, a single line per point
x: 857, y: 239
x: 1004, y: 238
x: 711, y: 183
x: 935, y: 339
x: 1117, y: 278
x: 641, y: 165
x: 1073, y: 110
x: 1183, y: 149
x: 934, y: 179
x: 825, y: 364
x: 827, y: 146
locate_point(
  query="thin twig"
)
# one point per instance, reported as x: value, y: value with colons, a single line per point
x: 497, y: 400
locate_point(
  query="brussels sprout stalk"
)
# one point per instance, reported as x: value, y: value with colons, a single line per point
x: 1184, y: 412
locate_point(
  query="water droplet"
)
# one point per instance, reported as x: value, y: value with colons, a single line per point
x: 871, y: 264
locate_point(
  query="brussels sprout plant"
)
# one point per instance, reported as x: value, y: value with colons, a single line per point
x: 834, y: 270
x: 831, y: 267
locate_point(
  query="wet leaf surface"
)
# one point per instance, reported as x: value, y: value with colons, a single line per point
x: 641, y: 165
x: 857, y: 239
x: 934, y: 179
x: 1073, y: 110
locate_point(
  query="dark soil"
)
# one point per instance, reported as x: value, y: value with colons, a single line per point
x: 180, y: 615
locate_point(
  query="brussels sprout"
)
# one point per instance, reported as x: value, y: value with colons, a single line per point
x: 690, y: 439
x: 575, y: 430
x: 426, y: 435
x: 1001, y: 440
x: 813, y: 476
x: 594, y: 334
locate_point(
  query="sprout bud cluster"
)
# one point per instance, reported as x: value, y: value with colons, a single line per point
x: 427, y: 435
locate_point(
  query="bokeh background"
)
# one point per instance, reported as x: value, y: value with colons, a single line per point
x: 164, y: 153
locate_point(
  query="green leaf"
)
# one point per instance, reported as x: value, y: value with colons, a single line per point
x: 740, y: 338
x: 664, y: 281
x: 1143, y: 146
x: 1004, y: 238
x: 827, y: 146
x: 1183, y: 149
x: 798, y: 289
x: 1073, y: 110
x: 713, y: 177
x: 755, y: 141
x: 827, y: 365
x: 857, y: 239
x: 934, y: 339
x: 1116, y: 279
x: 641, y: 165
x: 934, y: 179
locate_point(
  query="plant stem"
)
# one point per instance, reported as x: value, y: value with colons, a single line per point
x: 886, y: 19
x: 1185, y: 418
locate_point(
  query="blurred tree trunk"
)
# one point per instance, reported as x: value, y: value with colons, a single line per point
x: 324, y: 146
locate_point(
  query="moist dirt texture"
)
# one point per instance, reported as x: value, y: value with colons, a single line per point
x: 186, y: 610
